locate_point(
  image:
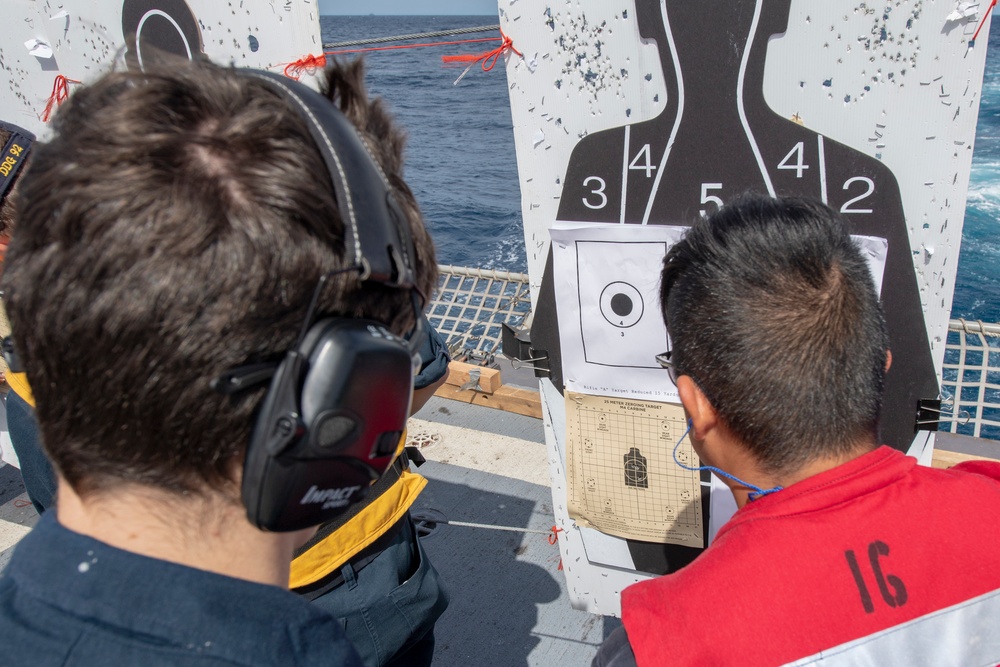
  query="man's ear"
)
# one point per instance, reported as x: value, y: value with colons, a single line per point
x: 700, y: 410
x: 888, y: 360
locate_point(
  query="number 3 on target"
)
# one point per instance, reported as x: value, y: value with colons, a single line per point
x: 602, y: 199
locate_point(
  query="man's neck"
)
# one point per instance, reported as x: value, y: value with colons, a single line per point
x: 751, y: 472
x: 207, y: 532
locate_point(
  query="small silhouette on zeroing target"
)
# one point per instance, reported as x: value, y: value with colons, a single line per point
x: 636, y: 469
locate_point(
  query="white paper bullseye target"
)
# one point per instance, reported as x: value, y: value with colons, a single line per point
x: 621, y: 304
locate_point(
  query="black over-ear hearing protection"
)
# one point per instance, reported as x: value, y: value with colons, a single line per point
x: 337, y: 405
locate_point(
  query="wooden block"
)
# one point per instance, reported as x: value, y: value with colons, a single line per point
x: 460, y: 372
x: 945, y: 459
x: 512, y: 399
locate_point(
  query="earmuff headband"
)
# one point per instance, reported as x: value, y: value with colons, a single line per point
x: 374, y: 238
x: 337, y: 404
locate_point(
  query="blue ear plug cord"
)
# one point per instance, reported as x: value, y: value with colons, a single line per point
x: 757, y: 491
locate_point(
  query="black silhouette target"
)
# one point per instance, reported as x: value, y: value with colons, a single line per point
x: 621, y: 305
x: 156, y: 28
x: 724, y: 139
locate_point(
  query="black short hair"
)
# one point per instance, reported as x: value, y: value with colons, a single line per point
x: 174, y: 227
x: 772, y: 311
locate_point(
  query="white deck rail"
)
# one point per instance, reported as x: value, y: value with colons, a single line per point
x: 471, y: 304
x: 971, y: 383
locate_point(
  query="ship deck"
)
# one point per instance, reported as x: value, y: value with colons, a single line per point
x: 487, y: 467
x: 509, y: 606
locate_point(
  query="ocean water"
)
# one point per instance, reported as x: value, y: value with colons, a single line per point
x: 461, y: 164
x: 977, y: 289
x: 460, y: 159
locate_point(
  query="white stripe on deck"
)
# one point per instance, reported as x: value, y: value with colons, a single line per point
x: 17, y: 516
x: 11, y: 533
x: 487, y: 452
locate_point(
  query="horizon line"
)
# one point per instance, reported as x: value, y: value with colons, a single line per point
x: 435, y: 14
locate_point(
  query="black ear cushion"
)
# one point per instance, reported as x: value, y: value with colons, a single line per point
x: 329, y: 425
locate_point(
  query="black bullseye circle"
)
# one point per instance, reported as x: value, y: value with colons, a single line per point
x: 621, y: 304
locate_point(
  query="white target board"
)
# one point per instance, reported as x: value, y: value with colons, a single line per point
x: 646, y: 112
x: 48, y: 48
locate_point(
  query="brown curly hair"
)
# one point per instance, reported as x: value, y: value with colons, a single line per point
x: 174, y: 227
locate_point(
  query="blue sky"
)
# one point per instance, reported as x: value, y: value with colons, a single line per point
x: 393, y: 7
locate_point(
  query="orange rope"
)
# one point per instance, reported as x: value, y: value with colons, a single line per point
x: 988, y: 10
x: 309, y: 64
x: 554, y: 535
x: 488, y: 59
x: 60, y: 92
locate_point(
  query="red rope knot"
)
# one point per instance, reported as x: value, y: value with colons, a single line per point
x: 307, y: 65
x: 554, y: 535
x: 489, y: 59
x: 494, y: 55
x: 60, y: 93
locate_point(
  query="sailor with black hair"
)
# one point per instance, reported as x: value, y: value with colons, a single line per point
x: 842, y: 549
